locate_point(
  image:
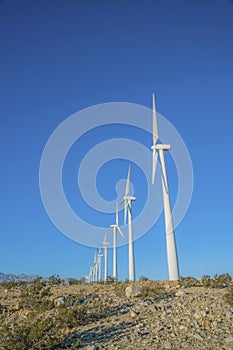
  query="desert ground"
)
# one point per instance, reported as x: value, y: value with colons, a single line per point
x: 141, y: 315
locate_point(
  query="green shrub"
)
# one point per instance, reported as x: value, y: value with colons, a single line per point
x: 35, y: 296
x: 36, y: 334
x: 12, y: 284
x: 55, y: 280
x: 218, y: 281
x: 42, y: 330
x: 228, y: 297
x: 143, y: 278
x: 73, y: 281
x: 206, y: 280
x: 189, y: 281
x: 221, y: 281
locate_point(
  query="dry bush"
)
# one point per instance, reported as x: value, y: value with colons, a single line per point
x: 228, y: 297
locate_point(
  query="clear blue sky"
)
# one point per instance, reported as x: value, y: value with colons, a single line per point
x: 58, y: 57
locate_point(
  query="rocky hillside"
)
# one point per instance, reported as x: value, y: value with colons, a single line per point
x: 143, y: 315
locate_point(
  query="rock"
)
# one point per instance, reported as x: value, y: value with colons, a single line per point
x: 167, y: 345
x: 203, y: 313
x: 180, y: 293
x: 199, y: 314
x: 182, y: 327
x: 59, y: 301
x: 133, y: 291
x: 185, y: 345
x: 133, y: 313
x: 229, y: 339
x: 145, y: 302
x: 1, y: 309
x: 17, y: 306
x: 197, y: 336
x: 207, y: 323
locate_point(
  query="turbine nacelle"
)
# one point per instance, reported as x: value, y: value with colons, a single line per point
x: 164, y: 147
x: 99, y: 253
x: 116, y: 225
x: 128, y: 198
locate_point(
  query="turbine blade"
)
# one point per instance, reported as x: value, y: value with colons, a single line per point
x: 125, y: 212
x: 105, y: 236
x: 120, y: 231
x: 154, y: 164
x: 155, y: 127
x: 117, y: 214
x: 127, y: 183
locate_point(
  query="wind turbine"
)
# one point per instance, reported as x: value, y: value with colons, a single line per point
x: 127, y: 199
x: 116, y: 229
x: 100, y: 255
x: 158, y: 149
x: 91, y: 274
x: 95, y: 268
x: 105, y: 245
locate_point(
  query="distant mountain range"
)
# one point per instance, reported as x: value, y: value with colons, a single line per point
x: 6, y: 277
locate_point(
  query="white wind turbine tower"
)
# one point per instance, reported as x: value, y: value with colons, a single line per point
x: 100, y: 255
x: 91, y: 274
x: 105, y: 245
x: 173, y: 269
x: 116, y: 229
x: 95, y: 268
x: 127, y: 199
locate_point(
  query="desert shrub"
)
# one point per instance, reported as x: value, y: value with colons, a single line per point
x: 36, y: 334
x: 189, y: 281
x: 228, y: 297
x: 152, y: 290
x: 110, y: 280
x: 12, y: 284
x: 35, y: 296
x: 221, y: 281
x: 119, y: 289
x: 218, y: 281
x: 43, y: 330
x: 143, y: 278
x: 71, y: 317
x: 206, y: 280
x: 73, y: 281
x: 55, y: 280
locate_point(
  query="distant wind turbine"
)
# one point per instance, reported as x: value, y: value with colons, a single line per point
x: 158, y: 149
x: 116, y: 229
x: 100, y: 255
x: 95, y: 268
x: 127, y: 199
x: 105, y: 245
x: 92, y: 274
